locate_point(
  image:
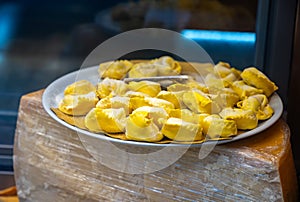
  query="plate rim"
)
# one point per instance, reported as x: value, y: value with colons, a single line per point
x: 101, y: 136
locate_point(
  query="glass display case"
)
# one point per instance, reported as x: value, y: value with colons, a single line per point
x: 43, y: 40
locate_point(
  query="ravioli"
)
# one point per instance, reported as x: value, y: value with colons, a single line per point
x: 245, y: 119
x: 167, y: 66
x: 115, y: 69
x: 180, y: 130
x: 141, y: 127
x: 254, y: 77
x: 226, y: 103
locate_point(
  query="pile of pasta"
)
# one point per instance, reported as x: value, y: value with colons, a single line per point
x: 228, y: 101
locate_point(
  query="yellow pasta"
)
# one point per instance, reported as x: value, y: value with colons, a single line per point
x: 245, y: 119
x: 111, y: 120
x: 180, y: 130
x: 148, y: 87
x: 79, y: 88
x: 254, y: 77
x: 143, y: 70
x: 215, y: 127
x: 187, y: 111
x: 197, y: 101
x: 167, y: 66
x: 115, y: 69
x: 141, y: 127
x: 111, y: 87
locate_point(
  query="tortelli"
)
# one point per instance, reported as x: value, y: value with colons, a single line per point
x: 224, y: 102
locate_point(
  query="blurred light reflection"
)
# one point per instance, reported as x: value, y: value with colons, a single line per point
x: 209, y: 35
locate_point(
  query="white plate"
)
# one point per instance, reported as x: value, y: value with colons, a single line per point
x: 54, y: 93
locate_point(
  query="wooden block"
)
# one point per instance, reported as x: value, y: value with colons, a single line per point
x: 52, y: 164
